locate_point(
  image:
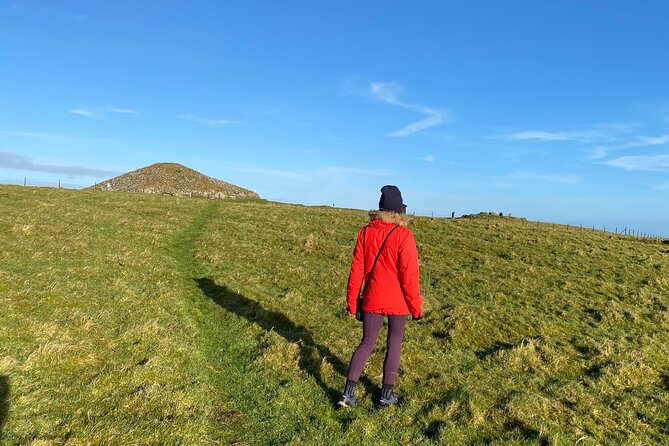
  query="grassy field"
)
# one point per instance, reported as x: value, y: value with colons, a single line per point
x: 143, y: 319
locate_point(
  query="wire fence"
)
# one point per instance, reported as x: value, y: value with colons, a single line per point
x: 619, y: 230
x: 57, y: 183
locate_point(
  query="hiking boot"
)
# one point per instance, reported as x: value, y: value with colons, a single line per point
x: 388, y: 397
x: 346, y: 401
x: 347, y: 398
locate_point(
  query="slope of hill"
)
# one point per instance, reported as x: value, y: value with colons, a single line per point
x: 173, y: 179
x: 171, y: 321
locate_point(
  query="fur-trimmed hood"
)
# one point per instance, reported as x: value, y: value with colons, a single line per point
x: 390, y: 217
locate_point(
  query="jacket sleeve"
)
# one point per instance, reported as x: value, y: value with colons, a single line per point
x: 356, y: 275
x: 409, y: 275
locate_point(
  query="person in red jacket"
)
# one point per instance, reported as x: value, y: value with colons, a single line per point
x: 385, y: 259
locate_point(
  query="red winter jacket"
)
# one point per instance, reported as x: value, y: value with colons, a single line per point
x: 393, y: 287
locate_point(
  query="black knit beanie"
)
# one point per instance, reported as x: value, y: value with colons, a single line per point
x: 391, y: 200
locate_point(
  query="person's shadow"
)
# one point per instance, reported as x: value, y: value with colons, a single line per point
x: 311, y: 353
x: 4, y: 401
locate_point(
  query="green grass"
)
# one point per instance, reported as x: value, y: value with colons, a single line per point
x: 140, y: 319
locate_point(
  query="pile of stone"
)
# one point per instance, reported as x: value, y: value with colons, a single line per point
x: 173, y: 179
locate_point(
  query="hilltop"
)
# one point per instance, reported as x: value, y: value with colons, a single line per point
x: 173, y: 179
x: 145, y: 319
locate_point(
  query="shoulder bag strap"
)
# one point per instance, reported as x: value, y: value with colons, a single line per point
x: 376, y: 259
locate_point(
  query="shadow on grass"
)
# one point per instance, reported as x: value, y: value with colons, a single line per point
x: 311, y: 354
x: 527, y: 432
x: 490, y: 351
x: 665, y: 381
x: 4, y: 401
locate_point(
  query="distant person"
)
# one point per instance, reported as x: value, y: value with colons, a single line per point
x: 386, y: 260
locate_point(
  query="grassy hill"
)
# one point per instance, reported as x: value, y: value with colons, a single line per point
x: 147, y: 319
x: 173, y: 179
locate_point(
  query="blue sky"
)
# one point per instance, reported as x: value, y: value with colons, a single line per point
x: 556, y: 111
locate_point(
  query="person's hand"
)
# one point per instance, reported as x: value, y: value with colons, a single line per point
x: 347, y: 312
x: 417, y: 318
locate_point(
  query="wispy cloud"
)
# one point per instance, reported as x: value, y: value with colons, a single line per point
x: 212, y: 122
x: 52, y: 138
x: 653, y: 163
x: 428, y: 158
x: 549, y: 178
x: 313, y: 175
x: 9, y: 160
x: 583, y: 136
x: 600, y: 152
x: 663, y: 186
x: 82, y: 112
x: 594, y: 133
x: 435, y: 118
x: 536, y: 135
x: 388, y: 92
x: 126, y: 111
x: 98, y: 112
x: 618, y: 127
x: 653, y: 140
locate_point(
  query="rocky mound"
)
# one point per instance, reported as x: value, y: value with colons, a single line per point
x: 173, y: 179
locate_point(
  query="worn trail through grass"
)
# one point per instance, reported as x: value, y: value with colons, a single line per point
x: 237, y: 331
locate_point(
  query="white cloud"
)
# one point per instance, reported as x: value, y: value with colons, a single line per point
x: 653, y: 140
x: 537, y: 135
x: 389, y: 92
x: 428, y: 158
x: 98, y: 112
x: 604, y: 132
x: 313, y: 175
x: 51, y: 138
x: 126, y: 111
x: 599, y: 153
x: 435, y: 118
x: 82, y: 112
x: 618, y: 127
x: 9, y: 160
x: 386, y: 92
x: 583, y: 136
x: 212, y: 122
x: 654, y: 163
x: 549, y: 178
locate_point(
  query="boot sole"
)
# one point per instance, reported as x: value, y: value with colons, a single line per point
x: 387, y: 403
x: 343, y: 405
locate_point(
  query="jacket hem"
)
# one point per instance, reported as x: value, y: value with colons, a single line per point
x: 387, y: 313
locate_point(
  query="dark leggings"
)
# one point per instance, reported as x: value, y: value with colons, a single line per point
x: 371, y: 325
